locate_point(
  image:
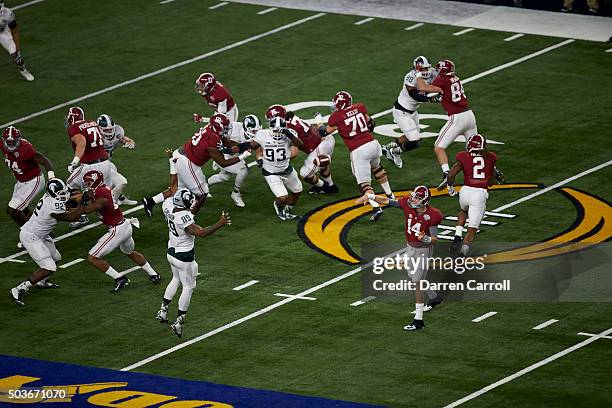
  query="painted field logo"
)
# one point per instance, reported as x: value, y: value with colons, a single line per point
x: 326, y: 228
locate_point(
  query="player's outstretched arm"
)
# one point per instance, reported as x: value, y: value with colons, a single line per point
x: 44, y: 161
x: 244, y: 148
x: 128, y: 142
x: 365, y: 199
x: 423, y: 86
x: 198, y: 231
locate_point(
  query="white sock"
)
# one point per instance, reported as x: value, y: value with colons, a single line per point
x: 25, y: 285
x: 445, y: 167
x: 419, y: 311
x: 465, y: 249
x: 328, y: 180
x: 112, y: 273
x: 158, y: 198
x: 240, y: 178
x: 185, y: 299
x: 386, y: 187
x: 458, y: 230
x: 148, y: 269
x: 172, y: 288
x: 319, y: 183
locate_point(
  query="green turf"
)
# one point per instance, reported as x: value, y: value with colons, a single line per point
x: 549, y: 112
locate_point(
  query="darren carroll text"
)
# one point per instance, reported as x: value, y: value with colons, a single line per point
x: 471, y: 285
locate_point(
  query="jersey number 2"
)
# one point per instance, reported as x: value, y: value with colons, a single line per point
x: 479, y: 165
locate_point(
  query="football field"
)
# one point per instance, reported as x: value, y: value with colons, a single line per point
x: 277, y: 303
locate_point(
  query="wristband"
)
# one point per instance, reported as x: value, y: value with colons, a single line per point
x: 244, y: 155
x: 172, y: 167
x: 76, y: 160
x: 371, y: 197
x: 50, y: 175
x: 426, y: 239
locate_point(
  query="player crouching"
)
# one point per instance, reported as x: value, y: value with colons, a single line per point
x: 179, y: 211
x: 421, y: 235
x: 119, y: 232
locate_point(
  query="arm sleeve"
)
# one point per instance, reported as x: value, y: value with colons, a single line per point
x: 394, y: 203
x: 414, y: 94
x: 433, y: 231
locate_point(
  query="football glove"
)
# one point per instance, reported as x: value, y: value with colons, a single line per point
x: 451, y: 191
x: 288, y: 133
x: 371, y: 125
x: 129, y: 145
x: 197, y: 118
x: 18, y: 58
x: 259, y: 162
x: 73, y: 166
x: 499, y: 176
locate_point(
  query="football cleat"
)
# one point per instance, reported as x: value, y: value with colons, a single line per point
x: 415, y: 325
x: 456, y: 245
x: 83, y: 219
x: 315, y: 190
x: 327, y: 189
x: 120, y: 283
x: 237, y: 198
x: 26, y: 74
x: 148, y: 205
x: 376, y: 214
x: 156, y: 279
x: 290, y: 216
x: 17, y: 295
x: 123, y: 200
x: 280, y: 212
x: 443, y: 182
x: 432, y: 303
x: 392, y: 157
x: 177, y: 326
x: 390, y: 196
x: 162, y: 314
x: 45, y: 284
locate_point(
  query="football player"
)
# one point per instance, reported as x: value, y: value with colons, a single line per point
x: 479, y: 173
x: 89, y: 154
x: 319, y: 151
x: 461, y: 119
x: 217, y: 96
x: 354, y: 126
x: 119, y: 234
x: 24, y: 161
x: 421, y: 235
x: 202, y: 146
x: 35, y: 237
x: 239, y: 132
x: 405, y: 113
x: 114, y: 135
x: 9, y: 38
x: 275, y: 143
x: 180, y: 211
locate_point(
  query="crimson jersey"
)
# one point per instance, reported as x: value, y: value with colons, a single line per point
x: 477, y: 168
x: 453, y: 98
x: 94, y: 142
x: 218, y: 95
x: 111, y: 213
x: 416, y: 222
x: 352, y: 125
x: 309, y: 135
x: 21, y: 161
x: 196, y: 149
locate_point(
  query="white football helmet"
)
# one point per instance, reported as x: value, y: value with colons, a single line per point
x: 251, y: 125
x: 277, y: 125
x: 57, y: 189
x: 422, y: 65
x: 107, y: 126
x: 183, y: 198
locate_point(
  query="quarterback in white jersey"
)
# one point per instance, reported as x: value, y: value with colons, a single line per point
x: 9, y: 38
x: 239, y: 132
x: 180, y: 210
x: 35, y: 236
x: 275, y: 144
x: 416, y: 83
x: 114, y: 136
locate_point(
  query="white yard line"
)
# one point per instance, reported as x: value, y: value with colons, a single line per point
x: 513, y: 37
x: 24, y: 5
x: 294, y: 296
x: 414, y: 26
x: 69, y: 264
x: 529, y: 369
x: 216, y: 6
x: 484, y: 316
x: 609, y: 50
x: 365, y: 20
x: 545, y: 324
x: 501, y: 215
x: 166, y: 1
x: 592, y: 334
x: 165, y: 69
x: 363, y: 301
x: 246, y: 285
x: 266, y: 11
x: 467, y: 30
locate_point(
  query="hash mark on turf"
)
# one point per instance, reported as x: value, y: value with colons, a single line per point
x: 216, y: 6
x: 545, y: 324
x: 69, y: 264
x: 365, y: 20
x: 132, y: 269
x: 484, y: 316
x: 414, y: 26
x: 592, y: 335
x: 246, y: 285
x: 266, y: 11
x: 467, y: 30
x: 363, y: 301
x: 513, y: 37
x: 295, y: 296
x: 166, y: 1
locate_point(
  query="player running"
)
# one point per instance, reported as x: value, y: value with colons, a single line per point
x: 89, y: 153
x: 416, y: 84
x: 217, y: 96
x: 239, y: 132
x: 354, y: 126
x: 479, y: 173
x: 119, y: 234
x: 9, y: 38
x: 461, y: 120
x: 35, y: 237
x: 24, y: 161
x: 421, y: 235
x: 190, y: 158
x: 114, y: 135
x: 319, y: 151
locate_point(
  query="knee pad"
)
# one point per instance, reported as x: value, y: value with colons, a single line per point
x: 410, y: 145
